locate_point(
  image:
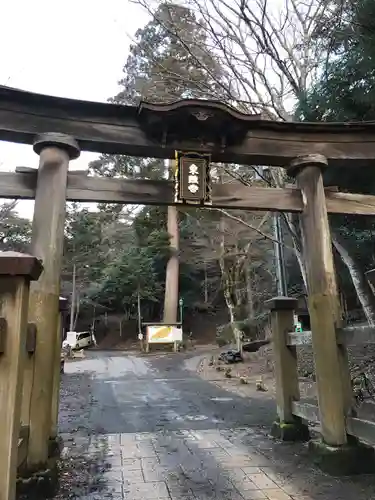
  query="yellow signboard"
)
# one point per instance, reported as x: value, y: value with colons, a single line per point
x: 160, y: 334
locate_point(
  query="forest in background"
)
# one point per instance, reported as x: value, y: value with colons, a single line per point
x: 301, y: 60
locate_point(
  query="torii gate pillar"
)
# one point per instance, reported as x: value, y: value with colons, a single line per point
x: 55, y: 151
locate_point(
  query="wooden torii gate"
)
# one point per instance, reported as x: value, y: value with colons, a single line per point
x: 60, y: 128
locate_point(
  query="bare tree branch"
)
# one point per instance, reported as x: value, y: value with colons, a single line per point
x: 250, y: 226
x: 270, y: 56
x: 7, y: 208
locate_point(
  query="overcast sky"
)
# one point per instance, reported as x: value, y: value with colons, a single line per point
x: 71, y: 49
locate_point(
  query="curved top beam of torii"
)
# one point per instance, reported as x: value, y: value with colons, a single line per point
x: 158, y: 130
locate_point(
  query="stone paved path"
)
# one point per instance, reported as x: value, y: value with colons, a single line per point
x: 148, y: 428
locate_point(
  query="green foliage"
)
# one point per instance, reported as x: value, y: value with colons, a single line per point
x: 86, y: 248
x: 150, y: 220
x: 161, y: 68
x: 135, y: 270
x: 346, y: 92
x: 15, y: 232
x: 112, y: 263
x: 132, y: 272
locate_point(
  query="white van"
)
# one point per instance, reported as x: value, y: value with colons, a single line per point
x: 78, y: 340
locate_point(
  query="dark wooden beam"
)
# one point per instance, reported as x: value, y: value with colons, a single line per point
x: 362, y: 429
x: 112, y: 128
x: 306, y: 411
x: 146, y: 192
x: 348, y: 335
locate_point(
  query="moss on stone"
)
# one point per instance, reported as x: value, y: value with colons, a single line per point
x: 38, y: 484
x: 351, y: 459
x: 290, y: 431
x: 43, y: 481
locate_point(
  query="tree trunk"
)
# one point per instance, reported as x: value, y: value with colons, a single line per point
x: 227, y: 288
x: 78, y: 303
x: 249, y: 291
x: 232, y: 319
x: 73, y: 300
x: 172, y: 271
x: 205, y: 284
x: 236, y: 270
x: 297, y: 248
x: 139, y: 312
x: 278, y: 177
x: 299, y: 257
x: 359, y: 281
x: 281, y: 285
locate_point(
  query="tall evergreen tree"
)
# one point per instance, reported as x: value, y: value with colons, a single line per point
x: 15, y: 232
x: 162, y: 68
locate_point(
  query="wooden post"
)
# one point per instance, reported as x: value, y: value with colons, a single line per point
x: 322, y: 297
x: 63, y: 307
x: 55, y: 151
x: 288, y: 427
x: 16, y: 272
x: 172, y: 270
x: 282, y: 322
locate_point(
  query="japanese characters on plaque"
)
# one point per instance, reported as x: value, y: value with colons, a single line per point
x: 193, y: 182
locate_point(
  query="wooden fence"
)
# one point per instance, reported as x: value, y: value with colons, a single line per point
x: 285, y: 342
